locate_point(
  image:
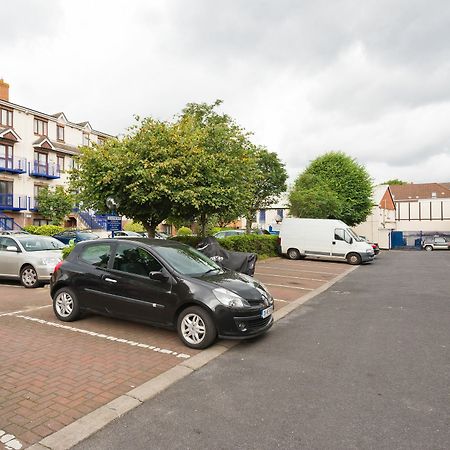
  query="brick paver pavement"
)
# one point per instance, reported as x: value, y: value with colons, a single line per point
x: 52, y: 373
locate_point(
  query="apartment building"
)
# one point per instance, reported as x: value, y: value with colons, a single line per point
x: 36, y: 151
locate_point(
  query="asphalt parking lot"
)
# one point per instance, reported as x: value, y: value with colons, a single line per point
x: 53, y: 373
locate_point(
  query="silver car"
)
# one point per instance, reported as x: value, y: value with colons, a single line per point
x: 29, y: 258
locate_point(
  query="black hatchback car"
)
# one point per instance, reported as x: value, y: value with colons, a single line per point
x: 163, y: 283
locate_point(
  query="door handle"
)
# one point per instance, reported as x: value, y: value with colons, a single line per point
x: 334, y: 242
x: 110, y: 280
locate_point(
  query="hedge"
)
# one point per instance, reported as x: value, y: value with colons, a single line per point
x: 263, y: 244
x: 44, y: 230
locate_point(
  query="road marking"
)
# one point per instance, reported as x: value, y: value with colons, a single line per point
x: 290, y: 276
x: 106, y: 337
x: 299, y: 270
x: 279, y: 300
x: 9, y: 441
x: 13, y: 313
x: 290, y: 287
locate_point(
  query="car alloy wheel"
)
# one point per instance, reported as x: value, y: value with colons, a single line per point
x: 196, y: 327
x: 429, y: 248
x: 64, y: 304
x: 29, y: 277
x: 193, y: 329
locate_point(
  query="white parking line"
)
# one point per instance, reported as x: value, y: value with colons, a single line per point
x: 291, y: 287
x: 279, y: 300
x: 13, y: 313
x: 106, y: 337
x: 298, y: 270
x: 9, y: 441
x: 291, y: 276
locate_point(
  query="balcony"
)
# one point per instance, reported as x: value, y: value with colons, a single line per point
x: 11, y: 202
x: 13, y: 165
x: 50, y: 171
x: 33, y: 204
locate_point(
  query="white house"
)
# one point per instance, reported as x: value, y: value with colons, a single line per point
x: 381, y: 222
x: 36, y: 150
x: 422, y: 207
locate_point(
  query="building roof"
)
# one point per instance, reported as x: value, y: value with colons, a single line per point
x: 420, y: 191
x: 52, y: 117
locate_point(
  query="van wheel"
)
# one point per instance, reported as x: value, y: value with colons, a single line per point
x: 293, y: 253
x: 354, y: 259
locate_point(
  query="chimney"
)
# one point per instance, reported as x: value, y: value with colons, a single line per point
x: 4, y: 90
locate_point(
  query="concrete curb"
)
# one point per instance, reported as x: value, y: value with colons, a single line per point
x: 87, y: 425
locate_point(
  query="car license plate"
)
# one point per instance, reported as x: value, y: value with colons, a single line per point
x: 267, y: 312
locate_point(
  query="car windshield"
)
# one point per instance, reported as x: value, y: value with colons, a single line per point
x: 87, y: 236
x: 188, y: 261
x: 40, y: 243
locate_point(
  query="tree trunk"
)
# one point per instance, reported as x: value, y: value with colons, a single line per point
x: 203, y: 222
x: 150, y: 228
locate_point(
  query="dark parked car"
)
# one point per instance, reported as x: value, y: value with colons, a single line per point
x: 164, y: 283
x: 76, y: 236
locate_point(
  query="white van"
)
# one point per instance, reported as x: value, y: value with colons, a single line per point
x: 323, y: 239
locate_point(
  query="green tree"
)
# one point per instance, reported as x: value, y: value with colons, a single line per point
x: 333, y: 186
x: 135, y: 171
x: 55, y: 204
x: 217, y: 165
x: 266, y: 185
x: 395, y: 181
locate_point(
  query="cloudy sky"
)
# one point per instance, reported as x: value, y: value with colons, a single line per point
x: 370, y: 78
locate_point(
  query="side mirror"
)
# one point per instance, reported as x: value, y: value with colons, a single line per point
x: 158, y: 276
x: 12, y: 248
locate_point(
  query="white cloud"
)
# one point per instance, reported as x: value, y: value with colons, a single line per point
x: 307, y: 77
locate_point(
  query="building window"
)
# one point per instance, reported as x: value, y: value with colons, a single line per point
x: 6, y: 193
x: 280, y: 212
x: 6, y: 117
x: 40, y: 127
x: 100, y: 140
x: 40, y: 222
x: 86, y: 139
x: 41, y: 162
x: 60, y: 160
x: 6, y: 156
x: 60, y: 133
x: 262, y: 216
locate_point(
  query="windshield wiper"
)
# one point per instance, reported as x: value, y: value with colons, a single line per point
x: 212, y: 270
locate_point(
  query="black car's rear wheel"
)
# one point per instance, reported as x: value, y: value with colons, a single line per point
x: 66, y: 305
x: 196, y: 327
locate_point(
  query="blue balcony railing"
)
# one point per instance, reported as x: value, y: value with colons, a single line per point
x: 50, y: 171
x: 13, y: 165
x: 11, y: 202
x: 33, y: 204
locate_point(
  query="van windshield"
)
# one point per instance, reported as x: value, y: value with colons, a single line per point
x: 354, y: 235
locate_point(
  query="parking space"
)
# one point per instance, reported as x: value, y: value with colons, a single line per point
x: 53, y: 373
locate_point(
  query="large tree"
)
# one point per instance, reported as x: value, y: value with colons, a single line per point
x: 136, y: 171
x: 333, y: 186
x: 54, y: 204
x: 218, y: 163
x: 395, y: 181
x: 266, y: 184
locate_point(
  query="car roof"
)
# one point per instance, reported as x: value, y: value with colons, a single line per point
x: 139, y: 240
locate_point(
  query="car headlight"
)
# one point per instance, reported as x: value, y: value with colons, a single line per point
x: 229, y: 298
x: 50, y: 261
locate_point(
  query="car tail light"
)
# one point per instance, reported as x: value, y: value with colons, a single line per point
x: 58, y: 266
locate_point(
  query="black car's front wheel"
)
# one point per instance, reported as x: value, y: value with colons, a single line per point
x: 196, y: 327
x: 65, y: 305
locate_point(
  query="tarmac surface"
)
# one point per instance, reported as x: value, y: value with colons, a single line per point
x: 60, y: 382
x: 364, y: 365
